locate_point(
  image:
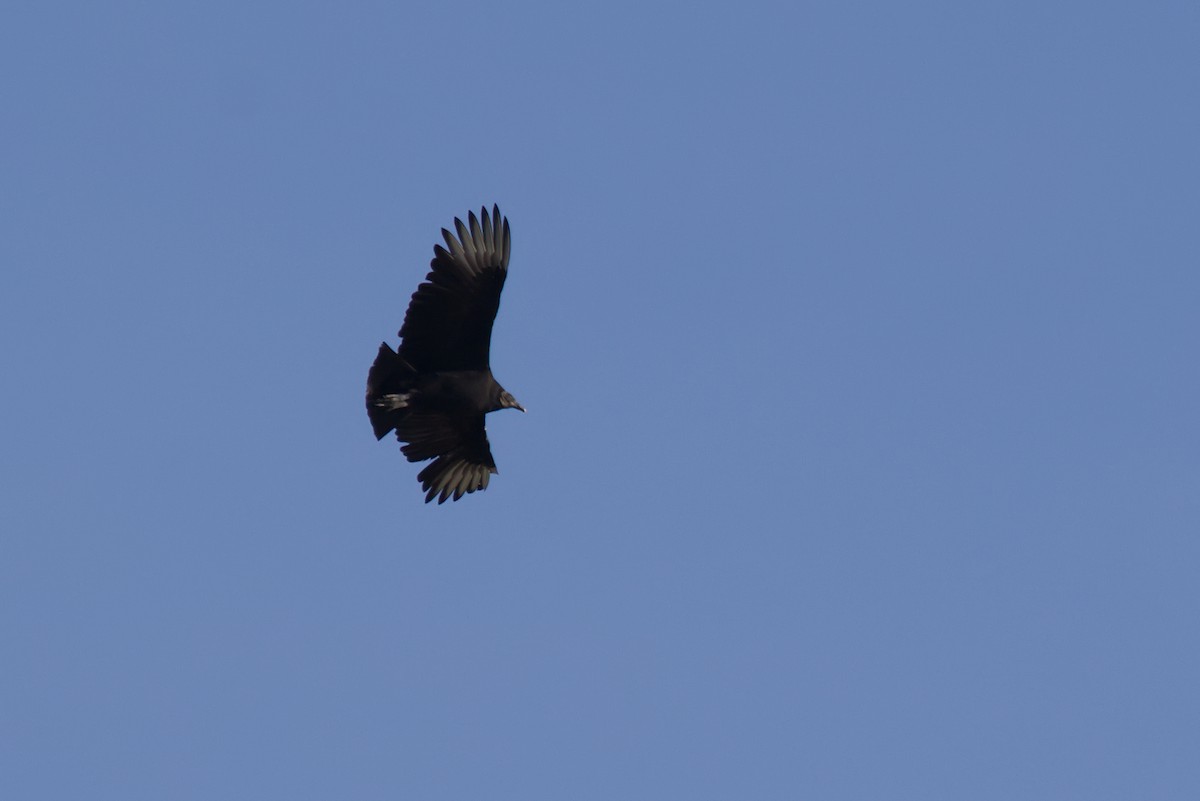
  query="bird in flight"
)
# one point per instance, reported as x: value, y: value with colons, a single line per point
x: 435, y: 390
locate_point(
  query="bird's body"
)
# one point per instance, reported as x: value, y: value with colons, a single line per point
x: 435, y: 390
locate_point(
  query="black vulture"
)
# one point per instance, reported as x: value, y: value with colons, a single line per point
x: 435, y: 390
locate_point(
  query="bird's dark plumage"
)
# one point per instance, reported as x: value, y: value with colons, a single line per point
x: 435, y: 391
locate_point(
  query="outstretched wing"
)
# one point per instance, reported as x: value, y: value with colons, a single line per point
x: 463, y: 460
x: 449, y: 321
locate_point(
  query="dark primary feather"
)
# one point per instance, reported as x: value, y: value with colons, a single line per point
x: 449, y: 321
x: 435, y: 390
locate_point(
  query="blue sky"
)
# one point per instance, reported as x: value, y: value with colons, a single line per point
x: 859, y: 347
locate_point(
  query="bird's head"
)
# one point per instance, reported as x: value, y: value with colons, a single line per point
x: 507, y: 401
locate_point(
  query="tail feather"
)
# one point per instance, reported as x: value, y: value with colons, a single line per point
x: 387, y: 381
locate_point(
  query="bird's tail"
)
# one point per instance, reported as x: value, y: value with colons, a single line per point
x: 388, y: 390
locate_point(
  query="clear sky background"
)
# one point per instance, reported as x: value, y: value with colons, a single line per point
x: 859, y: 342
